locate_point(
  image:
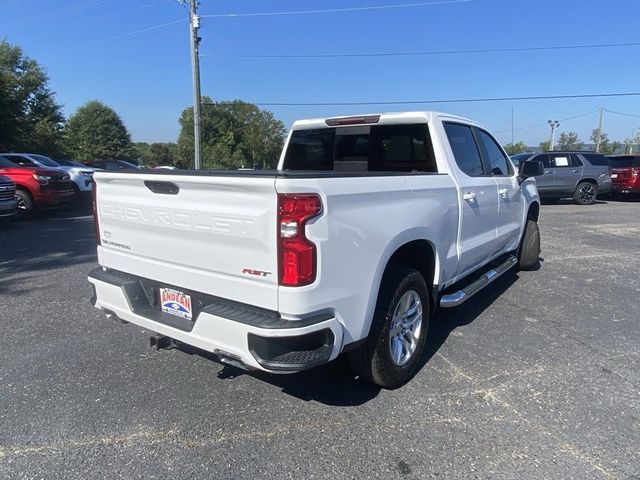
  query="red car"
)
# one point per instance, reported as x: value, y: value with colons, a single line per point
x: 38, y: 188
x: 625, y: 174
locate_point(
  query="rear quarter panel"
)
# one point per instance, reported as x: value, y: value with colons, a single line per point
x: 364, y: 221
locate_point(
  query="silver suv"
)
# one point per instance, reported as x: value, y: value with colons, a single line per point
x: 580, y: 175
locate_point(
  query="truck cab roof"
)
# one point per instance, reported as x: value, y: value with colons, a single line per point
x: 390, y: 118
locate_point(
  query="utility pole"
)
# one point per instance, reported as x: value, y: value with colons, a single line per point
x: 194, y: 26
x: 554, y: 124
x: 599, y: 137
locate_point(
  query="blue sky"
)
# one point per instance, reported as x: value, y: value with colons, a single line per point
x: 91, y: 50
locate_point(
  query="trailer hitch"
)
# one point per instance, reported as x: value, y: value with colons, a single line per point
x: 162, y: 342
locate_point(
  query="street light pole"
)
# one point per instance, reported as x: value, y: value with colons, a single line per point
x: 554, y: 124
x: 194, y: 26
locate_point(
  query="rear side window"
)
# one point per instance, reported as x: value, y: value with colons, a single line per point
x: 6, y: 163
x: 21, y: 161
x: 576, y: 161
x: 596, y: 159
x: 465, y: 150
x: 494, y: 155
x: 362, y: 148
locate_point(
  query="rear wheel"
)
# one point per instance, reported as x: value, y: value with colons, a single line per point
x: 391, y: 355
x: 586, y: 193
x: 529, y: 252
x: 25, y: 203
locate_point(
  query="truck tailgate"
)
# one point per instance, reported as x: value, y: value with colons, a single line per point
x: 205, y: 233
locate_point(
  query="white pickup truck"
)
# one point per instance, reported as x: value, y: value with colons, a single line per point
x: 368, y: 224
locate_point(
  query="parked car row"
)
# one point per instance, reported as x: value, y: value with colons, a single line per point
x: 30, y: 181
x: 584, y: 176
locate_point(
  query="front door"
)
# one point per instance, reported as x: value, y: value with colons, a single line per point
x: 547, y: 181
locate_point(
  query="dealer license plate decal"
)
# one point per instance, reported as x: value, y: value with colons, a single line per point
x: 175, y: 303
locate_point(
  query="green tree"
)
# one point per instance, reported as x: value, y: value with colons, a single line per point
x: 30, y: 119
x: 599, y: 137
x: 606, y: 148
x: 140, y: 151
x: 614, y: 148
x: 162, y: 154
x: 515, y: 148
x: 545, y: 146
x: 154, y: 154
x: 96, y: 132
x: 569, y: 141
x: 234, y: 134
x: 628, y: 145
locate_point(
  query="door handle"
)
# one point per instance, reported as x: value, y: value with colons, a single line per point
x: 548, y: 171
x: 503, y: 192
x: 575, y: 171
x: 470, y: 196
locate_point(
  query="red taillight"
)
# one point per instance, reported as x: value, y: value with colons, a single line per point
x: 94, y: 193
x: 296, y: 254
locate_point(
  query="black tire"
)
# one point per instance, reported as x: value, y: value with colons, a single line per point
x: 529, y: 252
x: 585, y: 194
x: 25, y: 204
x: 373, y: 360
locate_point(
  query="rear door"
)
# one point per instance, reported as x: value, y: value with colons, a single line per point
x: 568, y: 172
x: 204, y: 233
x: 478, y: 197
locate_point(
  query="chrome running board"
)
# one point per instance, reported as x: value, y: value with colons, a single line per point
x: 456, y: 298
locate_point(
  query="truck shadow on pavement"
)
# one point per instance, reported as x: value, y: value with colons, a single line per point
x: 335, y: 384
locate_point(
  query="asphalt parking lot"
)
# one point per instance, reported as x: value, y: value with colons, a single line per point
x: 538, y: 377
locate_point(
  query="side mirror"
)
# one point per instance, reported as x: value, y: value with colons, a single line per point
x: 530, y: 169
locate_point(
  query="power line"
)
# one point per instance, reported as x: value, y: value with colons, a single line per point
x: 545, y: 124
x: 439, y: 101
x: 336, y: 10
x: 434, y: 52
x: 86, y: 20
x: 116, y: 37
x: 621, y: 113
x: 77, y: 6
x: 35, y: 5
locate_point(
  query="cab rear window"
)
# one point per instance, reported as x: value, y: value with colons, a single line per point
x: 362, y: 148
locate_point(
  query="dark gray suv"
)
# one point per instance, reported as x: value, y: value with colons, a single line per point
x: 580, y: 175
x: 8, y: 203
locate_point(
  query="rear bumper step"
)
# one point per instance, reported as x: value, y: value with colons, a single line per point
x: 241, y: 335
x: 459, y: 297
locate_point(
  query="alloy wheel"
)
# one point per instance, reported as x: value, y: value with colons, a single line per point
x: 587, y: 193
x: 406, y: 328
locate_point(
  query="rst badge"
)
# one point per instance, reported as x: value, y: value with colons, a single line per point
x: 254, y: 272
x: 175, y: 303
